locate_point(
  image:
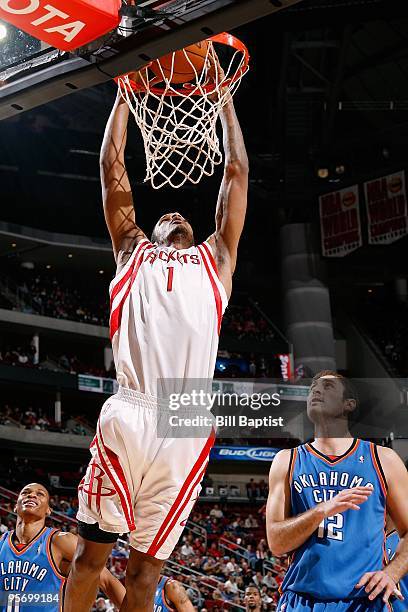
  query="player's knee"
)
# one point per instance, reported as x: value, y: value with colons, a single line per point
x: 141, y: 580
x: 87, y: 564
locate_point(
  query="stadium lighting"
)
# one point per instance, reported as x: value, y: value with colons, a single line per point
x: 3, y: 31
x: 323, y: 173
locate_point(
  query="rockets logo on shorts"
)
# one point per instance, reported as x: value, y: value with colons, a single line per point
x: 94, y: 485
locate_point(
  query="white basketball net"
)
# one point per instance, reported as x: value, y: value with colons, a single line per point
x: 180, y: 131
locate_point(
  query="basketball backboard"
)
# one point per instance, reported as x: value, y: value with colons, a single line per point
x: 32, y: 73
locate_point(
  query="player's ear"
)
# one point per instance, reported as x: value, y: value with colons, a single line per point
x: 349, y: 406
x: 49, y: 511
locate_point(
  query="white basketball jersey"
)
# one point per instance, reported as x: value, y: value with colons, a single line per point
x: 166, y: 311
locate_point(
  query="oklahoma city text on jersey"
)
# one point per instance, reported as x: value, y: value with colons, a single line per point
x: 334, y: 479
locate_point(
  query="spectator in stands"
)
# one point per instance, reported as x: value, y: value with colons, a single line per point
x: 250, y: 556
x: 187, y: 550
x: 269, y: 581
x: 257, y: 579
x: 117, y: 570
x: 102, y: 605
x: 250, y: 522
x: 265, y: 596
x: 210, y: 566
x: 216, y: 512
x: 263, y: 489
x: 252, y: 490
x: 214, y: 551
x: 246, y: 573
x: 231, y: 586
x: 198, y: 546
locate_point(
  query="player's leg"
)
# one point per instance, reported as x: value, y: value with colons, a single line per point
x: 83, y: 580
x: 142, y: 576
x: 105, y: 510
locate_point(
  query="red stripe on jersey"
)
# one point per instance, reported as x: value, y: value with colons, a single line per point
x: 116, y: 315
x: 155, y: 545
x: 217, y: 296
x: 153, y: 551
x: 125, y: 499
x: 211, y: 258
x: 90, y: 487
x: 120, y: 284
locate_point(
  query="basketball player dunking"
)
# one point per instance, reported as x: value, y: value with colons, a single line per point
x: 326, y: 506
x: 167, y: 302
x: 35, y: 559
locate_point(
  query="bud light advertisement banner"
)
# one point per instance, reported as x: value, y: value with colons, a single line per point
x: 386, y: 203
x: 243, y: 453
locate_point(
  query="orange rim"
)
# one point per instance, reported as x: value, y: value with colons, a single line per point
x: 189, y: 89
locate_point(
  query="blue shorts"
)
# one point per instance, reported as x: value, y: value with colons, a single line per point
x: 293, y: 602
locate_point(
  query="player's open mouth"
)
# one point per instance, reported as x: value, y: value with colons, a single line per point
x: 30, y: 503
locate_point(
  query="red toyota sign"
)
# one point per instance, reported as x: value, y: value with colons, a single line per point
x: 64, y: 24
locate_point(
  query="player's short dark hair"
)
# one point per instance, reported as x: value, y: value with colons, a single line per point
x: 37, y: 482
x: 349, y: 391
x: 252, y: 585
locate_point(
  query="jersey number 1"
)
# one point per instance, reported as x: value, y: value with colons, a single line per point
x: 170, y: 278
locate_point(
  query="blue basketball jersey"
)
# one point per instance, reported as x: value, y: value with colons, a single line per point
x: 160, y: 602
x: 390, y: 549
x: 29, y: 580
x: 345, y: 546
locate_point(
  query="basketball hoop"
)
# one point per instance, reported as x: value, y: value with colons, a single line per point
x: 178, y: 120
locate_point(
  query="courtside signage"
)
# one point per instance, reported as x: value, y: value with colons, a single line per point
x: 64, y: 24
x: 243, y: 453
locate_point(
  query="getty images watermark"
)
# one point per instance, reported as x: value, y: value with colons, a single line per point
x: 191, y: 408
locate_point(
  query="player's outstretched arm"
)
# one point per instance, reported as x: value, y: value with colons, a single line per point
x: 116, y: 190
x: 64, y: 544
x: 385, y: 581
x: 232, y: 199
x: 286, y: 533
x: 177, y: 595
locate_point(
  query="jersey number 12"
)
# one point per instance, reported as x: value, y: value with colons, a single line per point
x: 331, y: 527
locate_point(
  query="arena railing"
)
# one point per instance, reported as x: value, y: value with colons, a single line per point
x: 188, y: 572
x: 198, y: 530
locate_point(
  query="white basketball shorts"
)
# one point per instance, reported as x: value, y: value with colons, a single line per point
x: 137, y: 482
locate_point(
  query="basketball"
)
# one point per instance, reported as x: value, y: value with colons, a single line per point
x: 185, y: 61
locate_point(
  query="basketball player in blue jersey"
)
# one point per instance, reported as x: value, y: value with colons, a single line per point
x: 171, y: 595
x: 326, y: 506
x: 391, y: 545
x: 35, y: 559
